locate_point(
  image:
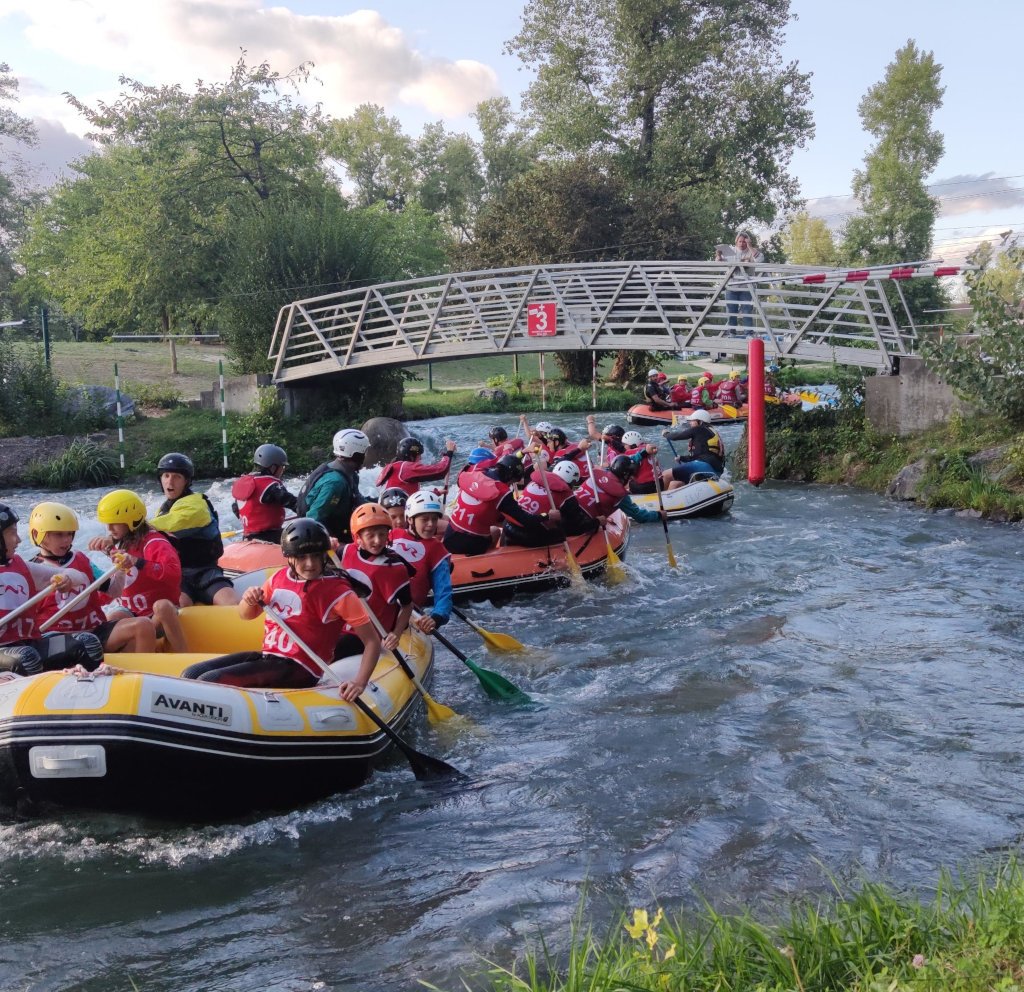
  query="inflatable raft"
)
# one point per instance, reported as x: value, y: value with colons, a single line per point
x: 146, y: 740
x: 504, y: 570
x: 647, y: 416
x: 701, y: 498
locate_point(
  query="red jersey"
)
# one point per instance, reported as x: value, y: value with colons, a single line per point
x: 424, y: 556
x: 318, y: 610
x: 728, y: 392
x: 476, y: 508
x: 510, y: 447
x: 386, y: 575
x: 408, y: 475
x: 534, y: 498
x: 158, y: 576
x: 645, y: 469
x: 256, y: 516
x: 88, y: 616
x: 679, y: 394
x: 16, y: 587
x: 610, y: 493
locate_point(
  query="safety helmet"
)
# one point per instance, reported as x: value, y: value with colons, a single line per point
x: 48, y: 517
x: 393, y: 497
x: 559, y: 436
x: 369, y: 515
x: 622, y: 468
x: 662, y: 377
x: 175, y: 461
x: 734, y: 374
x: 680, y: 378
x: 7, y: 516
x: 653, y: 373
x: 269, y: 456
x: 498, y: 434
x: 773, y: 367
x: 632, y: 439
x: 122, y: 506
x: 424, y: 501
x: 509, y: 468
x: 478, y: 455
x: 613, y: 430
x: 304, y: 536
x: 543, y: 427
x: 706, y: 377
x: 408, y: 448
x: 349, y: 443
x: 702, y: 415
x: 567, y: 471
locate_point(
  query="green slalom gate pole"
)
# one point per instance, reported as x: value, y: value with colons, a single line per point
x: 223, y: 416
x: 120, y: 417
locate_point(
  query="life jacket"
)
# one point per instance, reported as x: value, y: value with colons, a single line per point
x: 88, y: 616
x: 700, y: 398
x: 476, y: 506
x: 407, y: 476
x: 728, y: 392
x: 256, y: 516
x: 159, y: 577
x: 644, y: 468
x: 16, y: 587
x: 610, y: 493
x: 575, y: 455
x: 197, y: 547
x: 337, y: 518
x: 534, y: 498
x: 307, y: 606
x: 509, y: 447
x: 770, y: 389
x: 707, y: 445
x: 424, y: 556
x: 679, y: 393
x: 386, y: 575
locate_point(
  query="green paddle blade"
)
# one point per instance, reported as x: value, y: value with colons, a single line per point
x: 495, y: 685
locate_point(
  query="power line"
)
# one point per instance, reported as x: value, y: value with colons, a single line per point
x: 952, y: 182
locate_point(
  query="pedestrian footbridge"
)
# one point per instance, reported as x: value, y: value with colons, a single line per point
x: 850, y: 317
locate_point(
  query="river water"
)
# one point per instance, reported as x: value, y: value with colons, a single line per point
x: 829, y: 685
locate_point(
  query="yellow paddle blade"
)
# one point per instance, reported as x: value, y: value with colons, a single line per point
x: 503, y: 642
x: 772, y: 399
x: 437, y: 712
x: 614, y: 570
x: 672, y: 557
x: 730, y: 411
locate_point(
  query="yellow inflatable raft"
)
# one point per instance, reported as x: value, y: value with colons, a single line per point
x: 145, y: 739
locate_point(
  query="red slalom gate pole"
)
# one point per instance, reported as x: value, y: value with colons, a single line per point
x: 755, y: 421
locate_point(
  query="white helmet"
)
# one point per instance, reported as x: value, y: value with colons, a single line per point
x: 653, y: 373
x: 543, y: 427
x: 349, y: 442
x: 423, y: 501
x: 632, y: 439
x: 702, y: 415
x: 567, y: 471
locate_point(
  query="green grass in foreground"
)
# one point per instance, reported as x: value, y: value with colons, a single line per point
x: 968, y: 937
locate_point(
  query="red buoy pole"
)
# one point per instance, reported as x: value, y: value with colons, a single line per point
x: 755, y: 421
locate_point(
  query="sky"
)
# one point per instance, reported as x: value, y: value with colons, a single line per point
x: 428, y: 60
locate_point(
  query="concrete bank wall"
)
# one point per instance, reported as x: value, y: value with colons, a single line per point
x: 912, y: 400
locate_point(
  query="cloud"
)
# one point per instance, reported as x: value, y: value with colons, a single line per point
x: 358, y: 57
x: 976, y: 193
x: 957, y: 245
x: 45, y: 162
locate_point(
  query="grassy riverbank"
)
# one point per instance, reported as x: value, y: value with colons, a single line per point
x: 965, y: 936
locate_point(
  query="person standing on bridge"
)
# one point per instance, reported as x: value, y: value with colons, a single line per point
x: 331, y: 493
x: 738, y: 301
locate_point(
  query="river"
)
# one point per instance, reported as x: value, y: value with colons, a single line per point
x: 828, y: 686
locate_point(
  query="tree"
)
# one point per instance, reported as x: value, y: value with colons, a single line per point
x: 507, y: 148
x: 376, y: 153
x: 807, y: 240
x: 898, y: 211
x: 449, y: 182
x: 14, y: 200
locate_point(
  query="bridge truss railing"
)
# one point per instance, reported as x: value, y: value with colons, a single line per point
x: 800, y: 313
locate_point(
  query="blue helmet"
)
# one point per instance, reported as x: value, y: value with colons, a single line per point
x: 478, y: 455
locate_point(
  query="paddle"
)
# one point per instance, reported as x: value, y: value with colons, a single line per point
x: 494, y: 639
x: 614, y: 569
x: 575, y: 572
x: 496, y: 686
x: 29, y: 603
x: 730, y: 411
x: 78, y: 599
x: 423, y: 765
x: 664, y: 520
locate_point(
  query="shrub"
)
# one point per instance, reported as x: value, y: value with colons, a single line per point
x: 82, y: 463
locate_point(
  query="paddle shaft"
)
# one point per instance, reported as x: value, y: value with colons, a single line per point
x: 574, y: 565
x: 664, y: 518
x: 78, y: 600
x: 26, y: 606
x: 613, y: 558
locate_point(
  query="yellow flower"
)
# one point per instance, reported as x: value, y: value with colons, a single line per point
x: 670, y: 953
x: 639, y: 925
x: 652, y: 938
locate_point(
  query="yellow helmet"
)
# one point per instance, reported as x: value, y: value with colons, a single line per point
x: 734, y: 374
x: 704, y: 378
x: 122, y: 506
x: 48, y: 517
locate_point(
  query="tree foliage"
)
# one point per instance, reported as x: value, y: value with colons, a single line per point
x: 807, y: 240
x: 990, y: 367
x: 376, y: 153
x: 14, y: 198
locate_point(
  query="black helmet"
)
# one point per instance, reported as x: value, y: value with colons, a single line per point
x: 304, y: 536
x: 498, y: 434
x: 269, y: 456
x: 559, y: 436
x: 7, y: 518
x: 408, y: 449
x: 622, y: 468
x: 393, y: 497
x: 509, y: 468
x: 175, y: 461
x: 613, y: 430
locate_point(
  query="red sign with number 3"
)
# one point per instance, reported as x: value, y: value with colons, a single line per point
x: 541, y: 320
